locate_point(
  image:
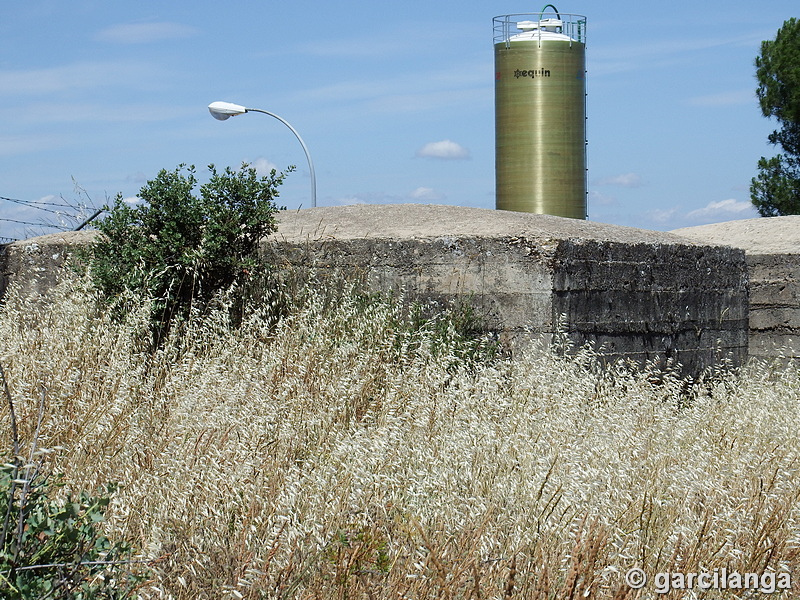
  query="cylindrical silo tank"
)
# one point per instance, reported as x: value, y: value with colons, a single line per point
x: 540, y: 113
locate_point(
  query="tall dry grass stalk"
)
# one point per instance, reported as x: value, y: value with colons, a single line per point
x: 332, y: 454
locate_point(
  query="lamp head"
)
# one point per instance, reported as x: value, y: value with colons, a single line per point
x: 225, y: 110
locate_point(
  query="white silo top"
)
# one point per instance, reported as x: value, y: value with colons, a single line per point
x: 542, y: 30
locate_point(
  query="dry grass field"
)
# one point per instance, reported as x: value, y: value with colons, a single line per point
x: 337, y: 452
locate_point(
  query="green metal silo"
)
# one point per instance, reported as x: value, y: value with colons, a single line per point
x: 540, y: 113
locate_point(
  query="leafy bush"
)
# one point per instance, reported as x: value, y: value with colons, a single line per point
x: 53, y: 549
x: 179, y: 248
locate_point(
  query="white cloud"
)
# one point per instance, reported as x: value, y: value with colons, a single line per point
x: 420, y: 194
x: 713, y: 212
x: 138, y: 177
x: 627, y: 180
x: 426, y: 193
x: 445, y: 149
x: 349, y: 200
x: 263, y: 166
x: 596, y: 198
x: 370, y: 198
x: 663, y: 217
x: 144, y: 33
x: 724, y: 210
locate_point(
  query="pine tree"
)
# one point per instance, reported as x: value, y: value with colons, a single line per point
x: 775, y: 190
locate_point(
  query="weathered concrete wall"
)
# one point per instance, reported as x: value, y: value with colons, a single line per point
x: 36, y: 265
x: 653, y: 301
x: 506, y: 280
x: 641, y: 294
x: 772, y: 246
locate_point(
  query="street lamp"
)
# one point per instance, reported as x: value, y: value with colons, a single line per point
x: 226, y: 110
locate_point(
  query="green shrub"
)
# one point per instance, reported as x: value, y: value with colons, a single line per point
x: 180, y: 249
x: 457, y: 332
x: 53, y: 549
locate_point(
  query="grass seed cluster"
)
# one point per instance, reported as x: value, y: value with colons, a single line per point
x: 335, y: 452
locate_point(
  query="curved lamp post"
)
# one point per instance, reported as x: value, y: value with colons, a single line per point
x: 226, y: 110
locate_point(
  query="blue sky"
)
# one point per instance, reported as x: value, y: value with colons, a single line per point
x: 394, y: 101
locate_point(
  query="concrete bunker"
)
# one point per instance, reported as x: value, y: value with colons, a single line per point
x: 636, y: 294
x: 772, y: 249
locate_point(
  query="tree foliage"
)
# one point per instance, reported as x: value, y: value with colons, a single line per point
x: 177, y: 248
x: 776, y: 189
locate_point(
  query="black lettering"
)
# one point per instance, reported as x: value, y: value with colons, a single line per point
x: 532, y: 73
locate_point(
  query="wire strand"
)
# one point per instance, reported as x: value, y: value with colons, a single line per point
x: 38, y: 204
x: 33, y: 224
